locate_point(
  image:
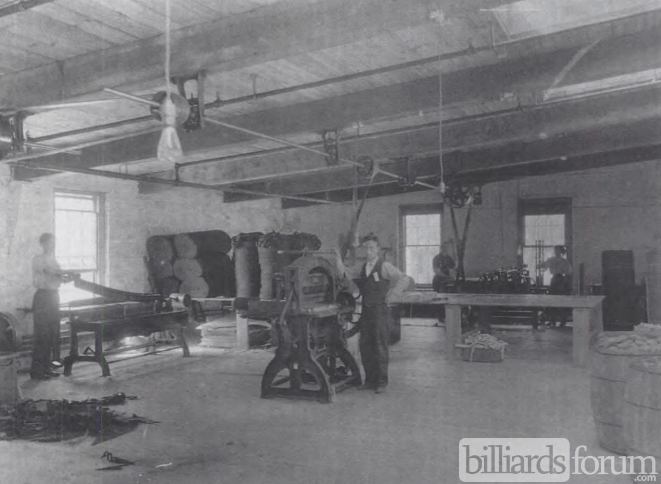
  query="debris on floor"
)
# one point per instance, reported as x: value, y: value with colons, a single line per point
x: 118, y: 462
x: 60, y: 420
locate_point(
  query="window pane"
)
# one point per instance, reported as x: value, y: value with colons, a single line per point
x: 69, y: 292
x: 76, y: 233
x: 419, y: 263
x: 549, y: 229
x: 423, y: 229
x: 423, y: 241
x: 75, y: 202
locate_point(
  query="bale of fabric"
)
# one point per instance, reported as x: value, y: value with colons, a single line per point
x: 246, y: 262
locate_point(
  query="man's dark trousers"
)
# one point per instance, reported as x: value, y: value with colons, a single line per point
x: 373, y: 343
x: 46, y: 344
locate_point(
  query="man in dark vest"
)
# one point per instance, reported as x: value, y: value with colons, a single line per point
x: 378, y: 281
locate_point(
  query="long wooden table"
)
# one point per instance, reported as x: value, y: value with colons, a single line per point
x: 587, y: 315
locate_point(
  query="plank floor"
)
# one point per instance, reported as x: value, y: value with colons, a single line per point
x: 215, y: 429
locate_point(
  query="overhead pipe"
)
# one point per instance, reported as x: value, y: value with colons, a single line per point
x: 311, y: 150
x: 162, y: 181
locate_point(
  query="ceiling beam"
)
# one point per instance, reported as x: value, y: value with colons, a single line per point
x: 585, y: 148
x: 274, y: 32
x: 553, y: 121
x: 261, y: 35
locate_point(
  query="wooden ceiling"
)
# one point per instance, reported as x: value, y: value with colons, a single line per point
x: 528, y: 87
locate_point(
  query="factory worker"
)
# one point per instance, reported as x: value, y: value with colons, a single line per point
x: 560, y: 270
x: 443, y: 263
x: 378, y: 282
x: 46, y: 277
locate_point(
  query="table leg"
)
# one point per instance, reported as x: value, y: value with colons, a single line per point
x: 73, y: 350
x: 452, y: 330
x: 182, y: 341
x: 98, y: 353
x: 581, y: 336
x: 241, y: 332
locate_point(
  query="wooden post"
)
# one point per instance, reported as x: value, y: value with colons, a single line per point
x: 452, y: 330
x: 241, y: 332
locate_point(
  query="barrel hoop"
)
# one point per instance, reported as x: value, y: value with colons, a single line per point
x: 641, y: 453
x: 625, y: 355
x: 644, y: 369
x: 641, y: 406
x: 608, y: 424
x: 606, y: 379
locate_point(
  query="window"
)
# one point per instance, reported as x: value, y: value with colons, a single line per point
x: 545, y: 223
x: 526, y: 18
x: 421, y: 240
x: 79, y: 239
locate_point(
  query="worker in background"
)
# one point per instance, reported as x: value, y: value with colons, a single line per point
x: 47, y: 277
x: 560, y: 270
x: 443, y: 264
x: 378, y: 282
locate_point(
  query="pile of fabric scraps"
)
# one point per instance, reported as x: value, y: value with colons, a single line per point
x: 59, y: 420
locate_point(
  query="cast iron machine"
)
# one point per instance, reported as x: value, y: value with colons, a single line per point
x: 312, y: 360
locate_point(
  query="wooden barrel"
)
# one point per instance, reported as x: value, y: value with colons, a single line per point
x: 196, y: 287
x: 185, y: 269
x: 170, y: 285
x: 610, y: 372
x: 642, y: 412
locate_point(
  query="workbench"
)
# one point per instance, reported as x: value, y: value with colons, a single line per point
x: 113, y: 329
x: 587, y: 315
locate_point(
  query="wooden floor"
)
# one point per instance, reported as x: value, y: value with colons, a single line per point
x: 215, y: 429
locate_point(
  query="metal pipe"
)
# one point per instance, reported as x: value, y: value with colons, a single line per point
x: 132, y: 97
x: 175, y: 183
x: 305, y: 148
x: 88, y: 144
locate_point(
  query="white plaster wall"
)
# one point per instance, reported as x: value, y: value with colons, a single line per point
x: 26, y: 211
x: 614, y: 208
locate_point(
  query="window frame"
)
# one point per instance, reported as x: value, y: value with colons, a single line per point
x: 544, y: 206
x: 101, y: 243
x: 417, y: 209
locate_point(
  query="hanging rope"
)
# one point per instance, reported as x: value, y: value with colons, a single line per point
x: 440, y: 104
x: 169, y: 146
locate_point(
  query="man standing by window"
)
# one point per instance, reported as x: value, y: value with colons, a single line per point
x: 46, y: 277
x: 443, y: 263
x: 560, y: 270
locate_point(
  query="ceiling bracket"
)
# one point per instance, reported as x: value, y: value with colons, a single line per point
x: 331, y: 146
x: 195, y: 119
x: 366, y: 167
x: 410, y: 178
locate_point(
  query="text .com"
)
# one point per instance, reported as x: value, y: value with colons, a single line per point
x: 542, y: 460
